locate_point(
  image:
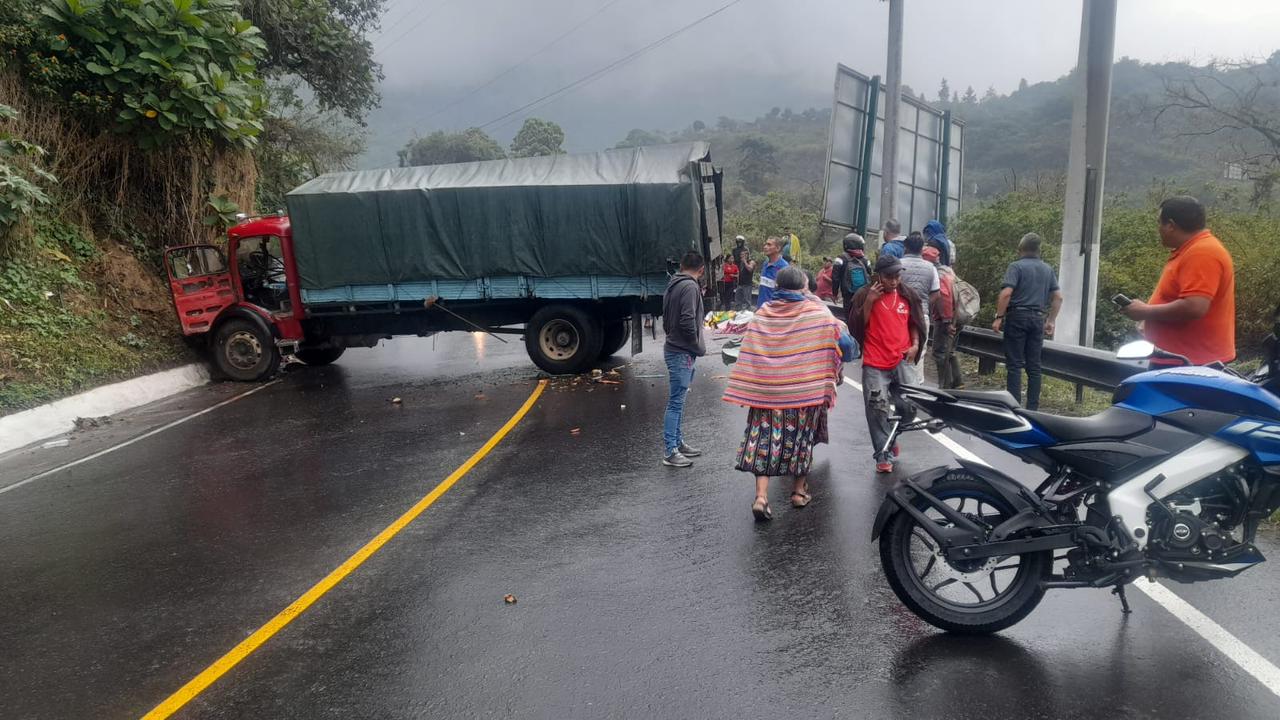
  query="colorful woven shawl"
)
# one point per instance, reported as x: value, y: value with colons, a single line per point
x: 790, y: 358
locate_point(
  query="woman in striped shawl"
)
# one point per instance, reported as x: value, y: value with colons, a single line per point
x: 786, y: 376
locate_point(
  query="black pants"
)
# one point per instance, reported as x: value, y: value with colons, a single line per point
x: 944, y: 356
x: 1023, y: 341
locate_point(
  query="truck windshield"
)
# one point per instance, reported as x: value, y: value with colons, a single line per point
x: 262, y: 275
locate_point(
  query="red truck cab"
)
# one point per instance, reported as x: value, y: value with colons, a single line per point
x: 247, y: 312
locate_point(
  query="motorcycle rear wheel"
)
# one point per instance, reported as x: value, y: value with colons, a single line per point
x: 977, y: 597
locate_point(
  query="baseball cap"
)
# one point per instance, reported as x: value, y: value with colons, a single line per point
x: 888, y: 265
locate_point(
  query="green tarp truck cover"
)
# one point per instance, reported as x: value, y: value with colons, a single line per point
x: 619, y: 212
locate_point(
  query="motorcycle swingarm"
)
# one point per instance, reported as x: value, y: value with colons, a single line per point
x: 981, y: 550
x: 963, y: 531
x: 902, y: 496
x: 965, y: 541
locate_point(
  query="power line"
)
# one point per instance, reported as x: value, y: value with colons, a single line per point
x: 413, y: 27
x: 392, y: 8
x: 611, y: 66
x: 513, y: 68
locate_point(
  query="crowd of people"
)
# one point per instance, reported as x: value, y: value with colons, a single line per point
x: 909, y: 299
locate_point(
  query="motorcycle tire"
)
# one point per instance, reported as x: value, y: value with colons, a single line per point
x: 903, y: 545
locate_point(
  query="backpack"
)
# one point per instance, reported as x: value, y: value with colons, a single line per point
x: 967, y: 302
x: 854, y: 278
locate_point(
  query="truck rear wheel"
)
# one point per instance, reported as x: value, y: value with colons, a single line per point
x: 616, y: 335
x: 316, y: 357
x: 563, y: 339
x: 245, y: 351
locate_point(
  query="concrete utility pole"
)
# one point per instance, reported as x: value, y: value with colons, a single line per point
x: 1086, y: 166
x: 893, y: 98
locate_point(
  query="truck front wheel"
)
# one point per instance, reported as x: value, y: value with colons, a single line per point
x: 563, y: 339
x: 245, y: 351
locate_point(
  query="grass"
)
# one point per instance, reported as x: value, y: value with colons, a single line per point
x: 1056, y: 396
x: 75, y: 314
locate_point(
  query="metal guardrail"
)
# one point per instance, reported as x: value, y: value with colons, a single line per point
x: 1085, y: 366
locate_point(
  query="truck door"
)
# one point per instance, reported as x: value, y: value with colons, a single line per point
x: 201, y: 285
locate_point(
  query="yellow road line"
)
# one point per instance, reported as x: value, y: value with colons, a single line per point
x: 210, y: 675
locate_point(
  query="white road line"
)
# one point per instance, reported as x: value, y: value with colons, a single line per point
x: 140, y: 438
x: 955, y: 447
x: 1236, y: 651
x: 1239, y: 653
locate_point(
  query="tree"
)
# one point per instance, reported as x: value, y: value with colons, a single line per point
x: 944, y: 92
x: 536, y: 138
x: 970, y: 97
x: 1022, y: 84
x: 757, y: 161
x: 324, y: 43
x: 299, y: 142
x: 699, y: 126
x: 641, y: 138
x: 144, y: 68
x: 1235, y: 103
x: 440, y: 147
x: 990, y: 94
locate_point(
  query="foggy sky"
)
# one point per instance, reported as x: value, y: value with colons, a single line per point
x: 755, y: 55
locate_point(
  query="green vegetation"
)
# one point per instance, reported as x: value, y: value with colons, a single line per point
x: 20, y: 176
x: 74, y: 315
x: 324, y: 44
x: 1056, y: 396
x: 153, y: 69
x: 537, y: 137
x: 1132, y: 258
x: 130, y: 125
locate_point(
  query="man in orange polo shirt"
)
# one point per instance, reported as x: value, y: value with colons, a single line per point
x: 1193, y: 309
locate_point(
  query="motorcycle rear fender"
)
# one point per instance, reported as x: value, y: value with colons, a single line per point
x: 896, y: 501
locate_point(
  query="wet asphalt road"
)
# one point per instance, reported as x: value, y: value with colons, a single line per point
x: 643, y: 591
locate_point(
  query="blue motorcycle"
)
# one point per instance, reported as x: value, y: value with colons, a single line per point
x: 1171, y: 481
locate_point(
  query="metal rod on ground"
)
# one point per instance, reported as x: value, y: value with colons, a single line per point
x: 434, y: 302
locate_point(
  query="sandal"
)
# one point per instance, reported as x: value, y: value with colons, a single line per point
x: 800, y: 499
x: 760, y: 508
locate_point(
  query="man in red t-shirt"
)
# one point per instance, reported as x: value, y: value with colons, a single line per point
x: 885, y: 318
x: 730, y: 283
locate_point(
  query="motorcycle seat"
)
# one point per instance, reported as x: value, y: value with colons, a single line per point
x: 985, y: 397
x: 1114, y: 423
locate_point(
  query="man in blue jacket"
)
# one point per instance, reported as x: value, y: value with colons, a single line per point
x: 935, y: 236
x: 891, y: 239
x: 682, y: 313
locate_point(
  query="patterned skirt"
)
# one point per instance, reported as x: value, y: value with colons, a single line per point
x: 780, y: 442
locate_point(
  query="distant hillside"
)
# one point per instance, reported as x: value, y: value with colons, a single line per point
x: 1014, y: 141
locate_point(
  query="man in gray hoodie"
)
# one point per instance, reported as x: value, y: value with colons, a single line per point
x: 682, y: 314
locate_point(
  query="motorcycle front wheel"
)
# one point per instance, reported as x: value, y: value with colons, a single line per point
x: 976, y: 597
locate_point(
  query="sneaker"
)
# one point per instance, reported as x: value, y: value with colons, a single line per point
x: 688, y: 452
x: 884, y: 467
x: 675, y: 459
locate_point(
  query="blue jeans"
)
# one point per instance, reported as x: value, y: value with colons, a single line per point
x: 1023, y: 341
x: 680, y: 370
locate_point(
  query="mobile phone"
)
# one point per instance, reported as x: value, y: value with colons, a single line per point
x: 1121, y: 300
